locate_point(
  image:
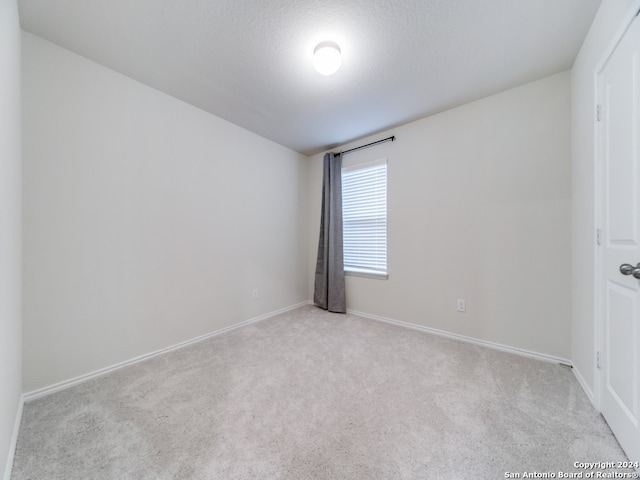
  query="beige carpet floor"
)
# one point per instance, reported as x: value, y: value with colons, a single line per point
x: 314, y: 395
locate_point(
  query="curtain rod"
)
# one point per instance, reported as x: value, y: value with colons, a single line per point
x: 388, y: 139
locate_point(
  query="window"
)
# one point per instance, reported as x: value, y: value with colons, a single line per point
x: 364, y: 218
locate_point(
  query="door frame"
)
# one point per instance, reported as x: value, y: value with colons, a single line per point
x: 598, y: 288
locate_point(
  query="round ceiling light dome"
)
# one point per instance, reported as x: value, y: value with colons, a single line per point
x: 327, y: 58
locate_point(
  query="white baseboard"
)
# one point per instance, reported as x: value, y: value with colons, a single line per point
x: 41, y: 392
x: 14, y: 440
x: 463, y: 338
x: 586, y: 388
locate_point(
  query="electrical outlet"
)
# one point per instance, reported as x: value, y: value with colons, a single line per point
x: 462, y: 305
x: 254, y: 294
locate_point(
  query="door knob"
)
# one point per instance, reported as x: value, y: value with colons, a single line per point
x: 627, y: 269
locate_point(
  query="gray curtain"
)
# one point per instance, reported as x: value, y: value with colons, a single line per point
x: 329, y: 288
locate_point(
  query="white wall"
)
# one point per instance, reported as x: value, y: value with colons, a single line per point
x: 10, y: 230
x: 147, y: 221
x: 611, y: 17
x: 478, y: 208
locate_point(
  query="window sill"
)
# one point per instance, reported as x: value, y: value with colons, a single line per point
x: 356, y: 273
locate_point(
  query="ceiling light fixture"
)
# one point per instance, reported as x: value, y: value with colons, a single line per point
x: 327, y: 58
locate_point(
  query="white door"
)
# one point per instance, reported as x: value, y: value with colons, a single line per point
x: 619, y: 139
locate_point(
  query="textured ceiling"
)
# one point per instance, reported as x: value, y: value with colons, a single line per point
x: 250, y: 61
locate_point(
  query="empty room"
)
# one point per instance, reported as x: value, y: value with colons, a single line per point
x: 357, y: 239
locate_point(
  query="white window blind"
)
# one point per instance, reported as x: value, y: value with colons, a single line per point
x: 364, y: 218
